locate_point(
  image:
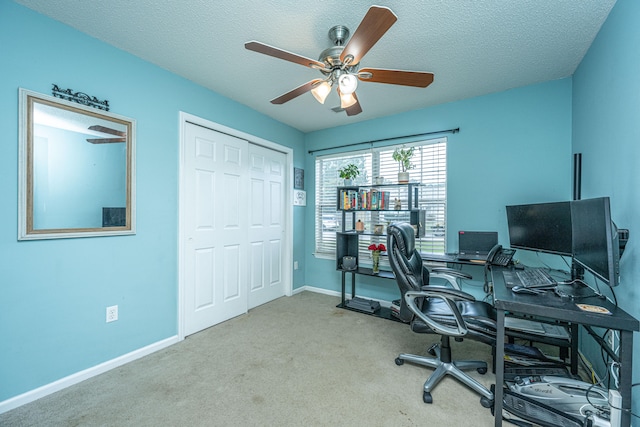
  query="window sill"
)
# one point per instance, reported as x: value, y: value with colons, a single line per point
x: 324, y: 256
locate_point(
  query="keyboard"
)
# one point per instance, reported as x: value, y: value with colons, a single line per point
x: 533, y: 277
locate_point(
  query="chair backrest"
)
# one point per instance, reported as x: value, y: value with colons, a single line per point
x: 405, y: 262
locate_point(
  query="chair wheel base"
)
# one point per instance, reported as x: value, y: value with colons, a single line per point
x: 487, y: 403
x: 432, y: 349
x: 426, y: 397
x: 399, y: 361
x: 482, y: 371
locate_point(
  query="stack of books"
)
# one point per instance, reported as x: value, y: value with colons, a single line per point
x: 364, y: 199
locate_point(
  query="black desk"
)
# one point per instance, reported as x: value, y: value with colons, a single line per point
x: 564, y: 310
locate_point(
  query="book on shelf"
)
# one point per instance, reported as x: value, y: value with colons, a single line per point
x: 395, y: 306
x: 363, y: 199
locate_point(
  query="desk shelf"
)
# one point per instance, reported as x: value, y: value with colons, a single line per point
x: 373, y: 205
x: 383, y: 312
x: 383, y: 274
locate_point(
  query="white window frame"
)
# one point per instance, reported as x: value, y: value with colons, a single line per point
x: 430, y: 154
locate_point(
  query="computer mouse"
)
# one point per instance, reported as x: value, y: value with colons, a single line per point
x: 524, y: 290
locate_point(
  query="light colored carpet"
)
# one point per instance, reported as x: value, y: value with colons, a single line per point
x: 296, y: 361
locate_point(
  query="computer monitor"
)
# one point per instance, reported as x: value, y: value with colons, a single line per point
x: 542, y: 227
x: 476, y: 244
x: 595, y: 239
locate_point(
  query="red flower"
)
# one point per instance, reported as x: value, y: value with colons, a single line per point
x: 380, y: 247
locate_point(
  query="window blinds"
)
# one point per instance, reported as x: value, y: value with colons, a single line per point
x: 429, y: 160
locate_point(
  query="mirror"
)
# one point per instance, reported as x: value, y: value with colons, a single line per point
x: 77, y: 170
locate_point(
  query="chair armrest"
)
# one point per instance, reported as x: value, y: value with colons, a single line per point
x: 449, y: 296
x: 454, y: 294
x: 444, y: 273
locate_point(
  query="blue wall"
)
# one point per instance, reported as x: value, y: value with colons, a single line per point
x: 513, y: 147
x: 606, y: 130
x: 53, y: 293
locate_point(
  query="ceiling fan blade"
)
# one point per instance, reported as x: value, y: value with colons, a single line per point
x: 396, y: 77
x: 105, y: 140
x: 296, y: 92
x: 373, y: 26
x: 283, y: 54
x: 110, y: 131
x: 355, y: 108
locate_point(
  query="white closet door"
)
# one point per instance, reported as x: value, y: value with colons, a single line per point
x: 216, y: 247
x: 266, y: 225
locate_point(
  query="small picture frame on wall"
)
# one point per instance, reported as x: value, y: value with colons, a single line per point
x: 298, y: 179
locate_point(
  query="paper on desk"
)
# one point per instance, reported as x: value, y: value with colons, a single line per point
x: 540, y: 328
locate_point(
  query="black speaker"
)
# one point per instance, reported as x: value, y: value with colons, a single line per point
x: 577, y: 272
x: 577, y: 176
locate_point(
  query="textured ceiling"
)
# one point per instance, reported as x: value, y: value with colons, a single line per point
x: 473, y: 47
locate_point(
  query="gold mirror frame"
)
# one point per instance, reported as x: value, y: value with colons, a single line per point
x: 104, y: 142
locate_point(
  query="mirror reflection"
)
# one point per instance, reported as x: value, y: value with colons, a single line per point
x: 78, y: 170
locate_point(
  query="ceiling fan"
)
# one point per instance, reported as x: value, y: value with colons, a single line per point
x: 340, y: 63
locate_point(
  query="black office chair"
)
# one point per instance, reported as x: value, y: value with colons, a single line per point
x: 440, y: 310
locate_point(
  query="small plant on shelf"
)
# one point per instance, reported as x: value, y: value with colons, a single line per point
x: 403, y: 157
x: 349, y: 172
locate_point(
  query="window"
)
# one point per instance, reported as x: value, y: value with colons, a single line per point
x: 430, y: 161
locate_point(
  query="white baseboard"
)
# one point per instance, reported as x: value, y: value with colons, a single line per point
x: 78, y: 377
x: 65, y: 382
x: 316, y: 290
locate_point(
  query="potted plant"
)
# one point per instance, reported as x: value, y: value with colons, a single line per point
x: 348, y: 173
x: 403, y: 157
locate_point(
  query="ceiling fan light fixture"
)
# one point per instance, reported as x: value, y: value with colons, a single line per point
x: 347, y: 99
x: 348, y: 83
x: 340, y: 63
x: 321, y: 91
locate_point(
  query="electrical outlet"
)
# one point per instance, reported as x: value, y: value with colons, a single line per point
x: 295, y: 265
x: 112, y: 313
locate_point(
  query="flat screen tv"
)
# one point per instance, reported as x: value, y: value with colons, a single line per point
x: 542, y: 227
x: 595, y: 239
